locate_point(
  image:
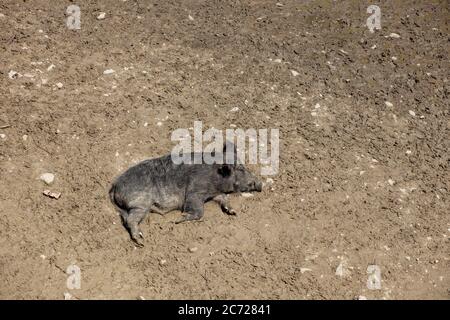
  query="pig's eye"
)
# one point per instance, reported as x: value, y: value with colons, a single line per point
x: 224, y: 170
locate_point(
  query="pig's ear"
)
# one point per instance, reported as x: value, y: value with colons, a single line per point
x: 229, y: 146
x: 225, y: 170
x: 230, y: 152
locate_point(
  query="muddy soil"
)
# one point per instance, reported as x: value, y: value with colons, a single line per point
x: 364, y: 126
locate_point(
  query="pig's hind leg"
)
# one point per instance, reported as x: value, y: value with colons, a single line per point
x: 224, y: 204
x: 135, y: 216
x: 156, y: 209
x: 193, y: 208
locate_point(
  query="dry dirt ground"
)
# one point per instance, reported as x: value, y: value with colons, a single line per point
x: 364, y: 147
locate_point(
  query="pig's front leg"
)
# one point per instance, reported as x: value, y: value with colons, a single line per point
x: 222, y: 200
x: 193, y: 208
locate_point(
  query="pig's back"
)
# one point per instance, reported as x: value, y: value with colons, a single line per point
x: 150, y: 178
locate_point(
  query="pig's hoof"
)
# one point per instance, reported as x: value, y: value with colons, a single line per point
x: 138, y: 239
x: 139, y: 243
x: 229, y: 211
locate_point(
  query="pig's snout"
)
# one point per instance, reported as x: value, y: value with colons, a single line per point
x: 245, y: 181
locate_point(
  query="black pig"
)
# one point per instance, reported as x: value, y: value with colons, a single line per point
x: 159, y: 185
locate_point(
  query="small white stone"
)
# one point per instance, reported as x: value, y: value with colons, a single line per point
x: 24, y: 137
x: 235, y: 109
x: 145, y: 124
x: 362, y: 298
x: 43, y: 257
x: 294, y: 73
x: 159, y: 123
x: 389, y: 104
x: 412, y: 113
x: 2, y: 135
x: 277, y: 60
x: 190, y: 18
x: 247, y: 194
x: 108, y: 71
x: 13, y: 74
x: 408, y: 151
x: 303, y: 270
x: 394, y: 58
x: 193, y: 249
x: 48, y: 178
x: 59, y: 85
x: 162, y: 262
x: 67, y: 296
x: 394, y: 35
x: 101, y: 16
x: 391, y: 182
x: 50, y: 67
